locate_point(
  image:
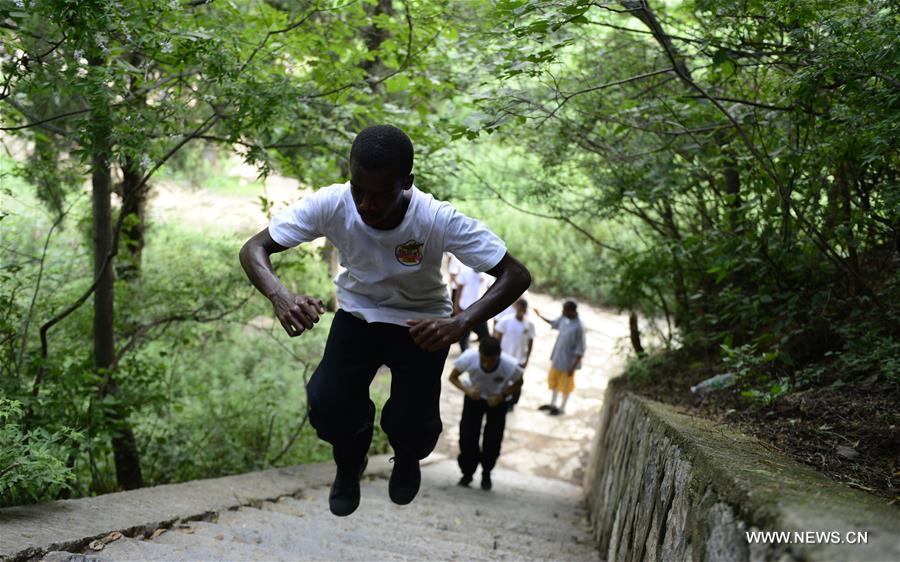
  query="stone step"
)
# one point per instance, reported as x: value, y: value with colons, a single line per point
x: 401, y: 539
x: 523, y: 522
x: 523, y: 518
x: 219, y: 546
x: 525, y: 505
x: 313, y: 537
x: 486, y: 522
x: 236, y: 541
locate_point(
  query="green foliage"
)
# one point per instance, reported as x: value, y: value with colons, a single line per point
x: 560, y: 262
x: 874, y: 351
x: 755, y: 372
x: 490, y: 185
x: 209, y: 385
x: 644, y: 369
x: 235, y: 402
x: 760, y: 181
x: 32, y: 462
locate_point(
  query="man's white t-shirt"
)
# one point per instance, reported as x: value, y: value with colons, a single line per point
x: 503, y: 376
x: 469, y: 282
x: 516, y: 335
x: 390, y: 275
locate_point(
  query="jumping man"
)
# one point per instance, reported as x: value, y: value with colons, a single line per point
x: 394, y: 308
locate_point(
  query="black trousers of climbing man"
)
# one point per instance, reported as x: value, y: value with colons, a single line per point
x: 338, y: 392
x: 470, y: 454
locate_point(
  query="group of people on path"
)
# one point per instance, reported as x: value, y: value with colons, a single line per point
x: 395, y: 310
x: 495, y: 377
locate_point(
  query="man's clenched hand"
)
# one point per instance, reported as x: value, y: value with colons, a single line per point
x: 437, y: 333
x: 297, y: 313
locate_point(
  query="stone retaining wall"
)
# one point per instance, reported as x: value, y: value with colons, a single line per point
x: 666, y: 486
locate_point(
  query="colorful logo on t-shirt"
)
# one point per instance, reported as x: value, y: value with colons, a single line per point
x: 409, y: 253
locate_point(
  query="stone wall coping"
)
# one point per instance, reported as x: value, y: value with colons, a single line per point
x: 772, y: 492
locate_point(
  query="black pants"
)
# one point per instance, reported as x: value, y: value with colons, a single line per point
x: 470, y: 454
x: 338, y: 392
x: 515, y: 399
x: 480, y: 329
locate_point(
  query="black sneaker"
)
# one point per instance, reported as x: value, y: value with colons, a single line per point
x: 405, y: 480
x: 486, y: 483
x: 546, y: 407
x: 344, y: 497
x: 465, y: 480
x: 554, y: 411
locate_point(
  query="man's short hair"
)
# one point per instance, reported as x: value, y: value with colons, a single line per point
x: 382, y: 146
x: 523, y: 303
x: 489, y: 346
x: 570, y: 304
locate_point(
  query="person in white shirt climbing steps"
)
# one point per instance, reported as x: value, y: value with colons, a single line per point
x: 493, y: 378
x: 516, y: 335
x: 394, y: 308
x: 565, y: 357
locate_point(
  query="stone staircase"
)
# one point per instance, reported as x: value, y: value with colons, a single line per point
x: 525, y: 517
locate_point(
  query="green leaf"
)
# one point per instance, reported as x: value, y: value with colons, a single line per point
x: 398, y: 83
x: 728, y: 69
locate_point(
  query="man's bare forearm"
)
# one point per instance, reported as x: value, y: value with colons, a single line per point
x: 258, y: 267
x: 513, y: 279
x: 296, y: 313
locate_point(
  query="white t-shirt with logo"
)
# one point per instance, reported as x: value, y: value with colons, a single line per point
x: 390, y: 275
x: 503, y: 376
x: 516, y: 335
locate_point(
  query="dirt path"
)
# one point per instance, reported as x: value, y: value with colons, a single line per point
x: 207, y: 209
x: 535, y: 443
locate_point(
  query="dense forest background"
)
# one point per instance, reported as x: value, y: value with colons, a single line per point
x: 729, y: 169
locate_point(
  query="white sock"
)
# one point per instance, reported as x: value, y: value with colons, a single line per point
x: 555, y: 396
x: 562, y: 405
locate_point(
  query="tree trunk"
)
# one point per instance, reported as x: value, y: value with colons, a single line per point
x: 128, y: 470
x: 635, y: 334
x: 845, y: 206
x: 733, y: 194
x: 332, y: 258
x: 134, y: 204
x: 134, y: 199
x: 374, y: 36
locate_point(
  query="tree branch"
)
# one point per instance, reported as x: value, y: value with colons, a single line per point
x: 192, y: 316
x: 566, y: 220
x: 567, y: 97
x: 642, y: 12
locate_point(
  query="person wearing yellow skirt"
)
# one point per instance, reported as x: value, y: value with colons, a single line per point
x: 566, y: 356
